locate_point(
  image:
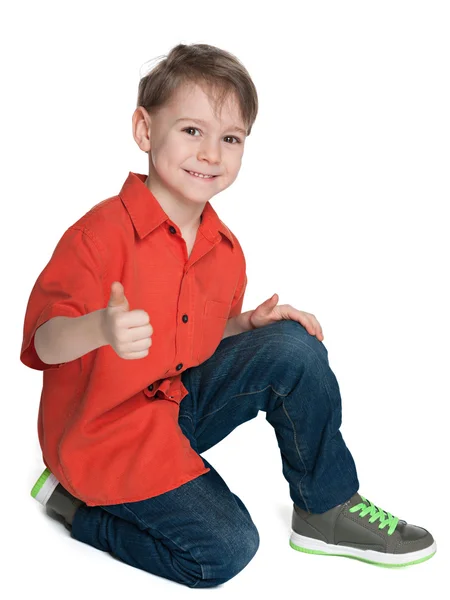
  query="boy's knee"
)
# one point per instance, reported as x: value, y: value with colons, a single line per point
x: 248, y: 546
x: 230, y: 558
x: 295, y: 341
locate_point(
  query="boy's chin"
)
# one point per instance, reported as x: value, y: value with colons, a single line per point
x: 198, y: 199
x: 199, y: 196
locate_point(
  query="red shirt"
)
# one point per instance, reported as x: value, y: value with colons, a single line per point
x: 108, y: 427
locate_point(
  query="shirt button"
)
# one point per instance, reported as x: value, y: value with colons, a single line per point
x: 180, y: 366
x: 172, y: 229
x: 185, y: 318
x: 150, y: 387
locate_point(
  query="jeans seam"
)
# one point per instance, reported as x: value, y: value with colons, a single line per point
x: 290, y: 420
x: 299, y: 454
x: 236, y: 396
x: 186, y: 417
x: 126, y: 507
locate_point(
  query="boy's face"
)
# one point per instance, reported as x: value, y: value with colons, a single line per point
x: 175, y: 147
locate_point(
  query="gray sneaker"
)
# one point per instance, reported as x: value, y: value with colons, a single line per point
x: 359, y: 529
x: 58, y: 502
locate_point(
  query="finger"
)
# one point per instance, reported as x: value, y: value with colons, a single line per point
x: 314, y: 326
x: 317, y: 327
x: 306, y: 322
x: 311, y: 324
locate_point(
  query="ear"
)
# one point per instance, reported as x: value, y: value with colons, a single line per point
x: 141, y: 123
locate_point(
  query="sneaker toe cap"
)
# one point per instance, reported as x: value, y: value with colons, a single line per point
x: 413, y: 538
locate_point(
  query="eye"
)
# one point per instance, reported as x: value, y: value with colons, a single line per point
x: 238, y: 141
x: 189, y: 128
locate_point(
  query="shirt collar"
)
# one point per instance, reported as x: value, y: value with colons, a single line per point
x: 146, y: 213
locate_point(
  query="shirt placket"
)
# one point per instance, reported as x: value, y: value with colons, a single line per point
x: 164, y: 388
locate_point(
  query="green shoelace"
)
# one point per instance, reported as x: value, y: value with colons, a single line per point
x: 376, y: 513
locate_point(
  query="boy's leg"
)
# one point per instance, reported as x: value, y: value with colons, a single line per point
x: 199, y: 534
x: 282, y: 370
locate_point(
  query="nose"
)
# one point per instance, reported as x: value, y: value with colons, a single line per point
x: 210, y: 151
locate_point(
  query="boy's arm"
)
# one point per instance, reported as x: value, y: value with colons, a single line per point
x: 71, y: 286
x: 62, y: 339
x: 238, y: 324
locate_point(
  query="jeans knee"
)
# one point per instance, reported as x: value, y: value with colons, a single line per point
x: 231, y: 558
x: 248, y: 548
x: 293, y: 340
x: 243, y: 552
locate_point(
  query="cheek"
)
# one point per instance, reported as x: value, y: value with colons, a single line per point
x: 169, y: 151
x: 164, y: 158
x: 236, y: 163
x: 236, y: 156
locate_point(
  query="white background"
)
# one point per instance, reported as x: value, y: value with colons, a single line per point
x: 341, y: 208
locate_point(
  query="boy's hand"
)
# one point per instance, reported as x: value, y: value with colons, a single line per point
x: 127, y: 331
x: 268, y: 312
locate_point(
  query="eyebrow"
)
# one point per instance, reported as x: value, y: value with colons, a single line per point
x: 233, y: 127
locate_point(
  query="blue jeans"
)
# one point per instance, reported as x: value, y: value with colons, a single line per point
x: 201, y: 534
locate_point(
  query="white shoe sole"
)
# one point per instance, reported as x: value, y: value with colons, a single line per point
x: 312, y: 546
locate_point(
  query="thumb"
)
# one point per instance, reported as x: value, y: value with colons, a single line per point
x: 117, y: 297
x: 270, y: 303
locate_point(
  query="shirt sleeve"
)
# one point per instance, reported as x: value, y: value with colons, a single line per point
x: 71, y: 285
x: 238, y: 300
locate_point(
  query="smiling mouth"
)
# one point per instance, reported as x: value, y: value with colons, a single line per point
x: 200, y: 175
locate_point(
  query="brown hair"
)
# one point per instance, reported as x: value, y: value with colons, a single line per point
x: 213, y: 69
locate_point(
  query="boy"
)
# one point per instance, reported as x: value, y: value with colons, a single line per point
x: 148, y: 360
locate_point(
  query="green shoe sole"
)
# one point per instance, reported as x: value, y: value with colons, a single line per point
x: 44, y: 487
x: 357, y: 554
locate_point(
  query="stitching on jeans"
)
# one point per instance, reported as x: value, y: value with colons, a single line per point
x: 186, y: 417
x: 237, y: 396
x: 293, y: 427
x: 300, y: 456
x: 126, y: 507
x: 218, y: 353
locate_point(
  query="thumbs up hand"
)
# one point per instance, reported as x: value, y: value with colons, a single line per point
x: 127, y: 331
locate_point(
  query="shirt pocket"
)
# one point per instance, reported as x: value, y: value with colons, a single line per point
x: 213, y: 323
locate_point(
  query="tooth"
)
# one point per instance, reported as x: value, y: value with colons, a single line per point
x: 200, y: 175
